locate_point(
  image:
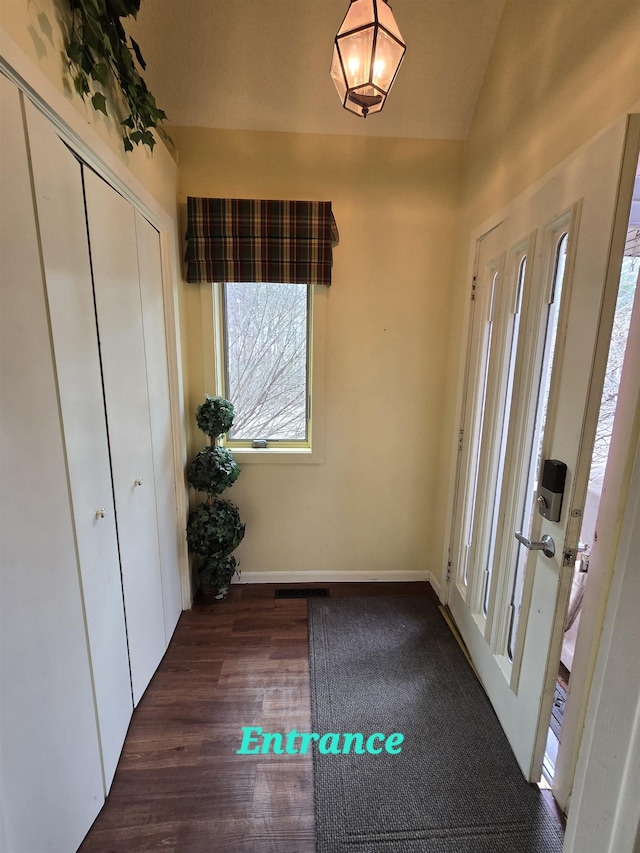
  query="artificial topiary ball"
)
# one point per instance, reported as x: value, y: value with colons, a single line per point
x: 213, y: 470
x: 215, y: 530
x: 215, y: 416
x: 216, y: 572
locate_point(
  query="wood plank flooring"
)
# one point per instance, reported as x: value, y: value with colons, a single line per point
x: 180, y: 787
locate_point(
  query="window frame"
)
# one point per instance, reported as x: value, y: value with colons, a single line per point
x: 280, y: 451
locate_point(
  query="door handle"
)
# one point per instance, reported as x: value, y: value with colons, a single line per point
x: 546, y: 544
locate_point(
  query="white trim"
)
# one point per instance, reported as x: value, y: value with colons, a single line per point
x: 437, y: 588
x: 332, y: 577
x: 95, y: 152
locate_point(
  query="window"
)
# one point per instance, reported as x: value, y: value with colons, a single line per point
x: 269, y: 361
x: 266, y: 360
x: 274, y: 259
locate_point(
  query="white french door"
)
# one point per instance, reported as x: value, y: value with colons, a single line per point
x: 535, y: 317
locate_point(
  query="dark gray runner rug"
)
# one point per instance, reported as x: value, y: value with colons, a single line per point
x: 391, y: 664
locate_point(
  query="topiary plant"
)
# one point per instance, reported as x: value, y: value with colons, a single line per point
x: 214, y: 528
x: 213, y: 470
x: 216, y: 572
x: 215, y: 416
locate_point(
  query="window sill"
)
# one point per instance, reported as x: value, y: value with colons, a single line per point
x: 276, y: 455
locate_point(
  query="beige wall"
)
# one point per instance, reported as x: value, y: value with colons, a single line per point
x: 559, y: 73
x: 38, y: 28
x: 366, y: 507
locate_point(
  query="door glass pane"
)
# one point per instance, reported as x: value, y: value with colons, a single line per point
x: 544, y: 385
x: 508, y: 391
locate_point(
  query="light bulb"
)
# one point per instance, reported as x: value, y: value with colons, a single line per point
x: 354, y: 65
x: 378, y: 69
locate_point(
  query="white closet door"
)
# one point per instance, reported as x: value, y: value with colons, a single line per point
x: 114, y: 259
x: 50, y: 772
x: 155, y: 345
x: 57, y: 178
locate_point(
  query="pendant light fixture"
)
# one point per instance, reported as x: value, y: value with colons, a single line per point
x: 367, y: 53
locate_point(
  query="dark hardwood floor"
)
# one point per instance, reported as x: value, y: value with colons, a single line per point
x: 180, y: 787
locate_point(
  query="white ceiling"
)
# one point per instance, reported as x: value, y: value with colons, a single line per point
x: 264, y: 65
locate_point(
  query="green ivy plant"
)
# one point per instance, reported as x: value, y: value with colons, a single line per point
x: 215, y: 416
x: 99, y: 52
x: 214, y: 528
x: 213, y: 470
x: 216, y: 573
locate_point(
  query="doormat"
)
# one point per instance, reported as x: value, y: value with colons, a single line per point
x: 390, y: 665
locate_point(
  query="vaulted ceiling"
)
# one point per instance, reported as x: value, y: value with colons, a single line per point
x: 264, y: 65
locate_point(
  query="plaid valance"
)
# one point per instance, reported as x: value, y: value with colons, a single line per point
x: 238, y: 239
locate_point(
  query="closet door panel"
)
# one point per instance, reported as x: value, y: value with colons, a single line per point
x: 114, y: 258
x: 57, y: 178
x: 149, y: 265
x: 50, y: 771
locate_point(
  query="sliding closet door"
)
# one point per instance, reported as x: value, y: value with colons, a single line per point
x: 114, y: 259
x: 151, y: 292
x: 50, y: 771
x: 57, y: 180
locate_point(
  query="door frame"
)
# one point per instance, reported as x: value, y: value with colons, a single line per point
x: 83, y: 139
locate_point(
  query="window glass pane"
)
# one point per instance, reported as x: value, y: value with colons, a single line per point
x: 266, y: 353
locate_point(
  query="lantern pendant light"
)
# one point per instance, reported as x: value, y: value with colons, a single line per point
x: 367, y: 53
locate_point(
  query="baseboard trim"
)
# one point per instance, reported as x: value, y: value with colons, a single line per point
x: 436, y: 585
x: 331, y: 577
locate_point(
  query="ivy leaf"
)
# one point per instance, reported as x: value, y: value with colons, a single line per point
x: 100, y: 103
x: 81, y: 85
x: 136, y: 50
x: 116, y: 8
x: 74, y: 52
x: 100, y: 72
x: 87, y: 61
x: 127, y: 143
x: 128, y: 122
x: 123, y: 8
x: 148, y: 139
x: 97, y: 6
x: 92, y: 35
